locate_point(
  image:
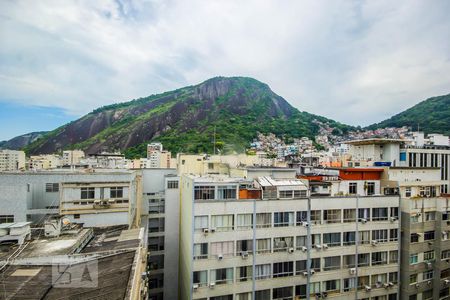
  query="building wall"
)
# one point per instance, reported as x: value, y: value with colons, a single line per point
x: 13, y: 201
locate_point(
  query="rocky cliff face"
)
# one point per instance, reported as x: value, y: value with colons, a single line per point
x: 21, y: 141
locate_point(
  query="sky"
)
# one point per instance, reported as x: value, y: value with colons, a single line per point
x: 357, y: 62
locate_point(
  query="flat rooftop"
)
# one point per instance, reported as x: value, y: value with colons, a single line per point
x: 376, y: 141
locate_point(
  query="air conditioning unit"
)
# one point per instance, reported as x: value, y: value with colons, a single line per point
x: 318, y: 247
x: 386, y: 285
x: 212, y: 285
x: 304, y: 224
x: 195, y: 287
x: 324, y: 294
x: 352, y: 271
x: 219, y: 256
x: 325, y: 246
x: 364, y: 221
x: 312, y: 272
x: 304, y: 249
x: 97, y: 201
x: 391, y: 283
x: 374, y: 242
x: 367, y: 288
x: 305, y: 273
x: 291, y: 250
x: 213, y: 230
x: 429, y: 282
x: 446, y: 281
x: 112, y: 200
x: 393, y: 219
x: 418, y: 214
x: 205, y: 231
x: 244, y: 255
x: 429, y: 265
x: 417, y: 285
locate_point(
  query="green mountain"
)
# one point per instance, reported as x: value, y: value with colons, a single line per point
x: 432, y: 116
x: 21, y: 141
x: 184, y: 120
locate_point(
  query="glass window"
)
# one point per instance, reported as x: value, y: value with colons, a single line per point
x: 263, y: 246
x: 281, y: 219
x: 116, y: 192
x: 244, y: 273
x: 379, y: 214
x: 332, y: 239
x: 204, y: 192
x: 222, y: 248
x: 52, y: 187
x: 380, y: 236
x: 430, y: 216
x: 226, y: 192
x: 282, y: 293
x: 332, y: 216
x: 263, y: 220
x: 349, y: 238
x: 370, y: 188
x: 413, y: 258
x: 363, y: 259
x: 428, y: 235
x: 414, y: 238
x: 393, y: 235
x: 332, y: 263
x: 201, y: 251
x: 428, y: 255
x: 201, y: 278
x: 283, y: 269
x: 349, y: 215
x: 352, y: 188
x: 364, y: 214
x: 244, y: 246
x: 286, y: 194
x: 332, y: 285
x: 413, y: 279
x: 301, y: 241
x: 364, y: 237
x: 222, y: 276
x: 6, y: 219
x: 222, y: 222
x: 379, y: 258
x: 262, y: 271
x: 172, y: 184
x: 200, y: 223
x: 244, y: 221
x: 393, y: 256
x: 282, y: 243
x: 88, y: 193
x: 428, y: 275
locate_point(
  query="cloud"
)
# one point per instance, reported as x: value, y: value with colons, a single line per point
x: 357, y: 62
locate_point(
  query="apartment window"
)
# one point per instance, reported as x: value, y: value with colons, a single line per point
x: 281, y: 219
x: 428, y: 255
x: 283, y: 269
x: 364, y: 237
x: 301, y: 241
x: 315, y: 239
x: 331, y: 286
x: 172, y: 184
x: 393, y: 235
x: 88, y: 193
x: 300, y: 266
x: 201, y: 251
x: 379, y: 279
x: 286, y: 194
x: 222, y: 222
x: 379, y: 258
x: 349, y: 284
x: 244, y: 246
x: 200, y: 223
x: 445, y: 255
x: 445, y: 273
x: 349, y: 261
x: 244, y: 273
x: 204, y: 193
x: 302, y: 216
x: 370, y: 188
x: 349, y: 238
x: 413, y: 258
x: 263, y: 220
x: 393, y: 257
x: 379, y: 214
x: 6, y: 219
x: 428, y: 235
x: 300, y: 194
x: 263, y: 245
x: 352, y: 188
x: 364, y: 214
x: 300, y: 291
x: 380, y: 236
x: 332, y: 263
x: 332, y: 239
x: 156, y: 225
x: 427, y: 295
x: 222, y: 248
x: 349, y: 215
x: 225, y: 297
x: 201, y: 278
x: 332, y: 216
x: 282, y: 243
x: 413, y: 279
x: 393, y: 277
x: 363, y: 259
x: 52, y: 187
x: 222, y: 276
x: 226, y: 192
x: 76, y: 216
x: 116, y: 192
x: 430, y: 216
x: 262, y: 271
x: 428, y: 275
x: 408, y: 192
x: 414, y: 238
x: 363, y: 281
x: 244, y: 221
x: 282, y: 293
x: 394, y: 212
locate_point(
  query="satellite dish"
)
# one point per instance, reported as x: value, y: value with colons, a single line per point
x: 65, y: 221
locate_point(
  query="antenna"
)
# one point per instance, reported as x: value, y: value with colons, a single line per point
x: 214, y: 140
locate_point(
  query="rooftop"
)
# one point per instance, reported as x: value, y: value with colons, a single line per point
x: 376, y: 141
x: 268, y: 181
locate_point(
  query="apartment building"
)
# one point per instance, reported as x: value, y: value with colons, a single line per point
x: 159, y: 158
x: 425, y: 223
x: 72, y: 157
x: 248, y: 239
x: 44, y: 162
x: 12, y: 160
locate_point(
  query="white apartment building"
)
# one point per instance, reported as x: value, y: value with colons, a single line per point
x: 240, y: 237
x: 158, y: 158
x: 12, y: 160
x: 72, y: 157
x: 44, y: 162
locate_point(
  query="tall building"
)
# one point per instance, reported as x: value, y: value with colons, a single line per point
x: 268, y: 237
x: 72, y: 157
x: 158, y: 158
x: 12, y: 160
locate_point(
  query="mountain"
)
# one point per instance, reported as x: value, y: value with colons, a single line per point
x: 21, y: 141
x: 184, y: 120
x: 432, y: 116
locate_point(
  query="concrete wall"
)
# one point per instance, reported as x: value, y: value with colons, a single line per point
x: 13, y: 201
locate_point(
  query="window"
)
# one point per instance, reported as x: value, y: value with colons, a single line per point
x: 332, y: 263
x: 281, y: 219
x: 222, y: 248
x: 379, y: 279
x: 226, y: 192
x: 349, y: 238
x: 445, y: 273
x: 364, y: 237
x: 430, y: 216
x: 302, y: 216
x: 364, y: 214
x: 349, y: 215
x: 379, y: 258
x: 6, y: 219
x: 244, y: 273
x: 379, y: 214
x: 394, y: 212
x: 445, y: 255
x: 301, y: 241
x: 349, y: 261
x: 222, y: 222
x: 408, y: 192
x: 204, y: 192
x: 222, y: 276
x: 427, y: 295
x: 349, y: 284
x: 283, y: 269
x: 201, y: 251
x: 300, y: 291
x: 428, y: 235
x: 300, y: 266
x: 428, y: 275
x: 428, y: 255
x: 282, y: 293
x: 300, y: 194
x: 52, y: 187
x: 244, y: 246
x: 315, y: 239
x: 370, y: 188
x: 332, y: 239
x: 393, y: 235
x: 263, y: 220
x: 352, y: 188
x: 332, y: 216
x: 413, y: 258
x: 88, y: 193
x: 262, y: 271
x: 380, y: 236
x: 263, y: 245
x: 286, y: 194
x: 282, y: 243
x: 393, y: 257
x: 332, y: 285
x: 413, y: 279
x: 200, y: 223
x: 172, y: 184
x: 414, y: 238
x: 116, y: 192
x: 75, y: 216
x: 201, y: 278
x: 393, y: 277
x: 244, y: 221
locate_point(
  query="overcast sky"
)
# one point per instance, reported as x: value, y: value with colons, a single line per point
x: 357, y: 62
